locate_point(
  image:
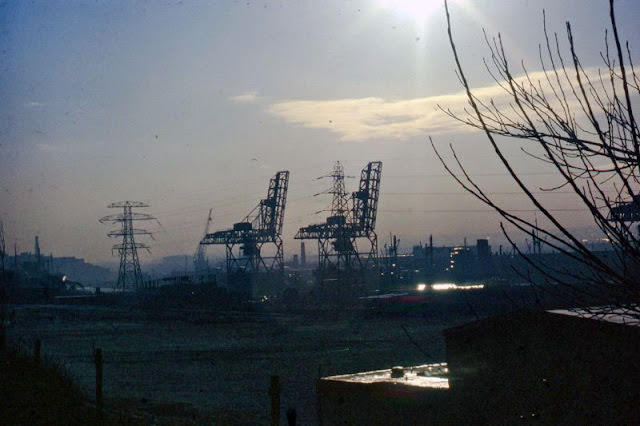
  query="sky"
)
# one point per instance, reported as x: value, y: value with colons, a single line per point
x: 192, y: 105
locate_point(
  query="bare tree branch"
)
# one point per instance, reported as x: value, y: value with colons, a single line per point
x: 581, y: 122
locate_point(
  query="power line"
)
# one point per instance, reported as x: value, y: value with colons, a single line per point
x: 466, y: 193
x: 474, y: 210
x: 486, y: 174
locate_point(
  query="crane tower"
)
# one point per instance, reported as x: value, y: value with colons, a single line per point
x: 200, y: 263
x: 626, y: 212
x: 262, y: 226
x: 352, y: 220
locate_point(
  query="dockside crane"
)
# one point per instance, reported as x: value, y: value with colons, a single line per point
x: 352, y: 221
x: 626, y: 211
x: 261, y: 227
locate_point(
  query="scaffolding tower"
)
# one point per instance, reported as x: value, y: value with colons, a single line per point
x: 129, y: 273
x: 352, y: 220
x: 262, y: 226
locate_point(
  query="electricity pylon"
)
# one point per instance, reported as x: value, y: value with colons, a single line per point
x: 338, y: 252
x: 129, y: 273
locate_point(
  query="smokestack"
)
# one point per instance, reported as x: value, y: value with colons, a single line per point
x: 37, y: 254
x: 431, y: 250
x: 303, y: 256
x: 37, y: 250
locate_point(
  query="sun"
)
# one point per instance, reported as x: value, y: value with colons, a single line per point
x: 417, y: 10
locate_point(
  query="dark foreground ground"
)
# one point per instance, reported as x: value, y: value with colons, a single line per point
x: 39, y: 393
x: 210, y: 366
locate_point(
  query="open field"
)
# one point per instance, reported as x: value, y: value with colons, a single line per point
x: 199, y: 364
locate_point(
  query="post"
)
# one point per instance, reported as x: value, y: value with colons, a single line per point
x: 37, y: 346
x: 274, y: 393
x: 3, y: 336
x: 291, y: 417
x: 97, y: 358
x: 319, y: 397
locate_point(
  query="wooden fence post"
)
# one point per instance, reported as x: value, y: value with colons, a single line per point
x: 97, y: 359
x: 291, y: 417
x: 37, y: 347
x: 274, y: 393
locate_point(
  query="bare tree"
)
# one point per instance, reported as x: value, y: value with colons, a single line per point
x: 582, y: 123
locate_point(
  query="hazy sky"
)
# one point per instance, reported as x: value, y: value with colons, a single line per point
x: 191, y: 105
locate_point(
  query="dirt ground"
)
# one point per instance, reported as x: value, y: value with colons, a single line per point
x: 199, y: 366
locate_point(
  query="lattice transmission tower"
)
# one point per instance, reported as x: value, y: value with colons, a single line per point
x: 340, y: 200
x: 351, y: 219
x: 129, y: 273
x: 335, y: 250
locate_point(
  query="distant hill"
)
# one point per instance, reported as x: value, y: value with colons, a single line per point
x: 75, y: 269
x: 80, y: 271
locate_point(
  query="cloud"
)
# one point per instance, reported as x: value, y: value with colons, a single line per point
x: 360, y: 119
x: 368, y: 118
x: 33, y: 104
x: 246, y: 98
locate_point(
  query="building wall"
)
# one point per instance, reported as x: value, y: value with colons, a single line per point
x: 547, y: 367
x: 344, y: 403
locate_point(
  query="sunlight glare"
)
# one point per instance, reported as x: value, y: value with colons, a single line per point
x: 417, y: 10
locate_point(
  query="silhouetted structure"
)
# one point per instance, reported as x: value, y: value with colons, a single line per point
x: 129, y: 273
x: 595, y: 159
x: 263, y: 225
x: 2, y: 249
x: 626, y: 212
x: 349, y: 220
x: 200, y: 263
x: 526, y: 367
x: 391, y: 266
x: 553, y: 367
x: 38, y: 255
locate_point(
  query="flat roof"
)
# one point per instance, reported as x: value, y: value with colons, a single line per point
x: 434, y: 376
x: 616, y: 315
